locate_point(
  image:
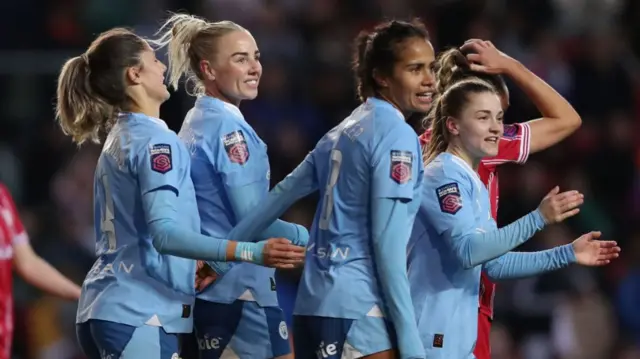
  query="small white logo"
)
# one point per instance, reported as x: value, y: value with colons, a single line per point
x: 269, y: 175
x: 324, y: 352
x: 246, y: 255
x: 284, y: 333
x: 209, y: 343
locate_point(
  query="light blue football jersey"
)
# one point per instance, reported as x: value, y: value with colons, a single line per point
x: 130, y: 282
x: 227, y: 154
x: 444, y: 293
x: 373, y: 152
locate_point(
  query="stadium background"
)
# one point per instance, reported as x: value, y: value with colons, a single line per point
x: 587, y: 49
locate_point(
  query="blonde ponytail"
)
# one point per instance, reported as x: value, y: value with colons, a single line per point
x: 189, y: 40
x: 80, y: 113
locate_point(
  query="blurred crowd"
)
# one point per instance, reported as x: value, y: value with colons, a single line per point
x: 588, y: 50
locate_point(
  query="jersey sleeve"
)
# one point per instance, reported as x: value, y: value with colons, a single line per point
x: 299, y: 183
x: 237, y: 155
x: 513, y: 146
x: 395, y: 167
x: 514, y: 265
x: 11, y: 217
x: 162, y: 163
x: 449, y: 206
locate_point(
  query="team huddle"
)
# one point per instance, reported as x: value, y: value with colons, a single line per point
x: 404, y: 248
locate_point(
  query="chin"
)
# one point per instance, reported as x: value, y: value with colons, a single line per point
x: 420, y: 108
x: 490, y: 152
x: 250, y: 95
x: 165, y: 96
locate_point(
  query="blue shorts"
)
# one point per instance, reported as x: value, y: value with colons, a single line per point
x: 240, y: 330
x: 323, y: 337
x: 101, y: 339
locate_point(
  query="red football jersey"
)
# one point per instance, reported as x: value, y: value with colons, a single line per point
x: 513, y: 147
x: 11, y: 233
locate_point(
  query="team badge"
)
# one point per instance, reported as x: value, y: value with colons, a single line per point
x: 236, y: 147
x: 161, y: 158
x: 401, y: 165
x: 449, y: 198
x: 282, y: 329
x: 510, y: 131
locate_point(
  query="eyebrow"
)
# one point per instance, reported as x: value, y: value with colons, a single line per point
x: 485, y: 112
x: 244, y: 53
x: 416, y: 64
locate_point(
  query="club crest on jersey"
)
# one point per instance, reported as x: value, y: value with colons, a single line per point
x: 161, y: 158
x: 236, y: 147
x: 401, y: 165
x: 510, y: 131
x: 449, y: 198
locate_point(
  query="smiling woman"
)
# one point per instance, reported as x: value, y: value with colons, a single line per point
x: 466, y: 120
x: 222, y: 59
x: 229, y: 170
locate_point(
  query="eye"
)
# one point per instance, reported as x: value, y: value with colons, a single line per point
x: 242, y: 60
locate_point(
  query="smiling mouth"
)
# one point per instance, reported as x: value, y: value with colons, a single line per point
x: 426, y: 96
x: 492, y: 139
x: 252, y: 82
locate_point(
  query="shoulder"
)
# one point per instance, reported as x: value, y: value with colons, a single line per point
x: 160, y: 144
x: 444, y: 170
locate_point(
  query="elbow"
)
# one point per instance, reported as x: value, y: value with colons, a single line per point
x: 464, y: 257
x: 159, y: 232
x: 466, y: 261
x: 574, y: 121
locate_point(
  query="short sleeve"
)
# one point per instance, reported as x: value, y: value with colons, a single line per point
x: 394, y: 164
x: 447, y: 200
x: 162, y: 162
x: 513, y: 146
x: 11, y: 218
x: 240, y: 157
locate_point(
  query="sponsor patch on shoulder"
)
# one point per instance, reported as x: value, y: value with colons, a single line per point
x: 401, y: 166
x: 449, y: 198
x: 236, y: 147
x: 160, y: 156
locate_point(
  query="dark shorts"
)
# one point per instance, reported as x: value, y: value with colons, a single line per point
x: 242, y: 328
x: 101, y: 339
x: 337, y: 338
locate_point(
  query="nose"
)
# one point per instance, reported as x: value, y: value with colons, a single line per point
x: 497, y: 127
x: 256, y: 67
x: 429, y: 78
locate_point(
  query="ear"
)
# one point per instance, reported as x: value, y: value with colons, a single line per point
x: 133, y: 75
x: 379, y: 79
x: 207, y: 70
x: 452, y: 126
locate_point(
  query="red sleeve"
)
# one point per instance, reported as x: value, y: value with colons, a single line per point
x: 10, y: 215
x: 513, y: 146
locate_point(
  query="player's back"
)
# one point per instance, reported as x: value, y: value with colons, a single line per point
x: 444, y: 293
x: 130, y: 282
x: 226, y: 153
x: 339, y: 278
